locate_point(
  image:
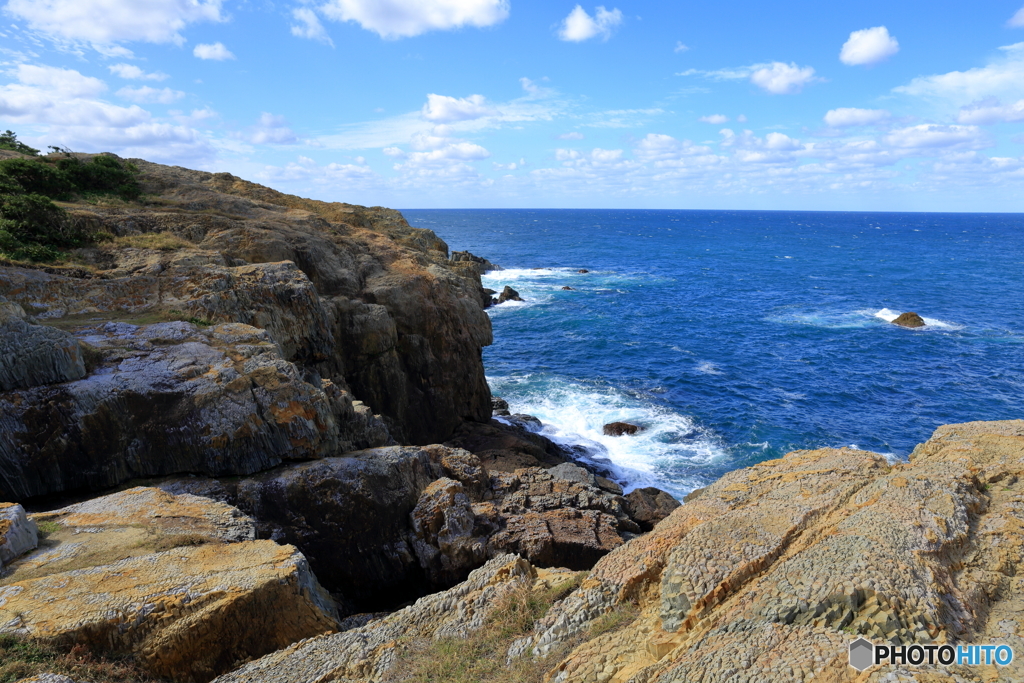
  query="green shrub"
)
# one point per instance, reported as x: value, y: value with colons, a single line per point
x: 101, y: 175
x: 33, y: 218
x: 38, y: 177
x: 9, y: 140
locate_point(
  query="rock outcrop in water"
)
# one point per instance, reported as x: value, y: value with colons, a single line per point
x: 909, y: 319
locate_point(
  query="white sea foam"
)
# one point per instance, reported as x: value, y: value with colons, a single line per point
x: 933, y: 323
x: 708, y: 368
x: 574, y: 415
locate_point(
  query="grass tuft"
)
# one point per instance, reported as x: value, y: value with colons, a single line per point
x: 164, y: 241
x: 21, y: 658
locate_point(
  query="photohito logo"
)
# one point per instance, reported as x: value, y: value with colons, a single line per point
x: 864, y: 654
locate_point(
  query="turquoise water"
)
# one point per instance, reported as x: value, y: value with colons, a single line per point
x: 734, y: 337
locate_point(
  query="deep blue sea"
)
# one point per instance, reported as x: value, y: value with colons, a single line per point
x: 736, y: 336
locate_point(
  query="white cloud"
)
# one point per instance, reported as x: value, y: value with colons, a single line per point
x: 580, y: 26
x: 309, y: 26
x: 574, y: 135
x: 868, y: 46
x: 215, y: 51
x: 148, y: 94
x: 782, y: 79
x: 680, y: 47
x: 134, y: 73
x: 444, y: 109
x: 394, y: 19
x: 851, y: 116
x: 60, y: 83
x: 112, y: 21
x: 716, y: 119
x: 273, y: 130
x: 931, y: 136
x: 991, y: 111
x: 1003, y: 78
x: 1017, y: 20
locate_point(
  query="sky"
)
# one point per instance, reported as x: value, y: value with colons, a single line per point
x: 800, y: 105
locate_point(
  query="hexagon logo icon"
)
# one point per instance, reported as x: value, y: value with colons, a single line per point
x: 862, y: 654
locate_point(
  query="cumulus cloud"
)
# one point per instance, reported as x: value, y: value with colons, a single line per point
x: 716, y: 119
x: 868, y: 46
x: 991, y: 111
x: 274, y: 130
x: 782, y: 79
x: 580, y: 26
x: 574, y: 135
x: 112, y: 21
x: 147, y: 94
x: 444, y: 109
x: 1002, y: 78
x: 133, y: 73
x: 851, y: 116
x: 394, y: 19
x: 1017, y: 20
x: 309, y: 26
x: 214, y: 51
x: 60, y: 83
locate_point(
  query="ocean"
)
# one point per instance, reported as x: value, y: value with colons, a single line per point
x: 733, y: 337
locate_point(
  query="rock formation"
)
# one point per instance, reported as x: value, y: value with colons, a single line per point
x: 508, y: 294
x: 175, y: 580
x: 909, y: 319
x: 18, y: 534
x: 621, y: 428
x: 326, y: 304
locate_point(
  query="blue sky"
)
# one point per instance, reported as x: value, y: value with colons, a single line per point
x: 505, y: 103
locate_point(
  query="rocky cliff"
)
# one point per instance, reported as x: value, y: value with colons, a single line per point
x: 221, y: 327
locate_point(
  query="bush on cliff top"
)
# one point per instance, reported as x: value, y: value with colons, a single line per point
x: 32, y: 227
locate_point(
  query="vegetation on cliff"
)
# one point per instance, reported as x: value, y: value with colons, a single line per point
x: 32, y: 227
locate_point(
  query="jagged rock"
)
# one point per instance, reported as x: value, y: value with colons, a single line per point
x: 647, y: 506
x: 621, y: 428
x: 504, y: 447
x: 909, y: 319
x: 582, y: 270
x: 446, y: 538
x: 775, y: 568
x: 367, y: 653
x: 567, y: 288
x: 499, y: 406
x: 31, y: 354
x: 172, y: 580
x: 351, y: 294
x: 571, y: 472
x: 18, y: 534
x: 174, y: 397
x: 508, y: 294
x: 481, y: 264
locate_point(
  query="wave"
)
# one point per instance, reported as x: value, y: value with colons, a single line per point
x: 865, y: 317
x: 574, y: 414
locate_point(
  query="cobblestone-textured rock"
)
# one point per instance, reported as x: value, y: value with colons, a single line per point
x: 366, y: 653
x: 773, y: 570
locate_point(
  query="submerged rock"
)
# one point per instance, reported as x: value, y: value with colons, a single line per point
x: 621, y: 428
x: 909, y: 319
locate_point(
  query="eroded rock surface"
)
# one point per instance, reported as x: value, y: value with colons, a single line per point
x: 176, y: 581
x: 32, y: 354
x: 774, y: 569
x: 18, y: 534
x: 369, y: 652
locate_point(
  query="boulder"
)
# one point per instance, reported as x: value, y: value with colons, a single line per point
x: 507, y: 447
x: 508, y: 294
x: 909, y: 319
x: 621, y: 428
x: 582, y: 270
x: 18, y: 534
x: 572, y: 472
x: 567, y: 288
x: 31, y: 355
x: 647, y: 506
x: 175, y: 581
